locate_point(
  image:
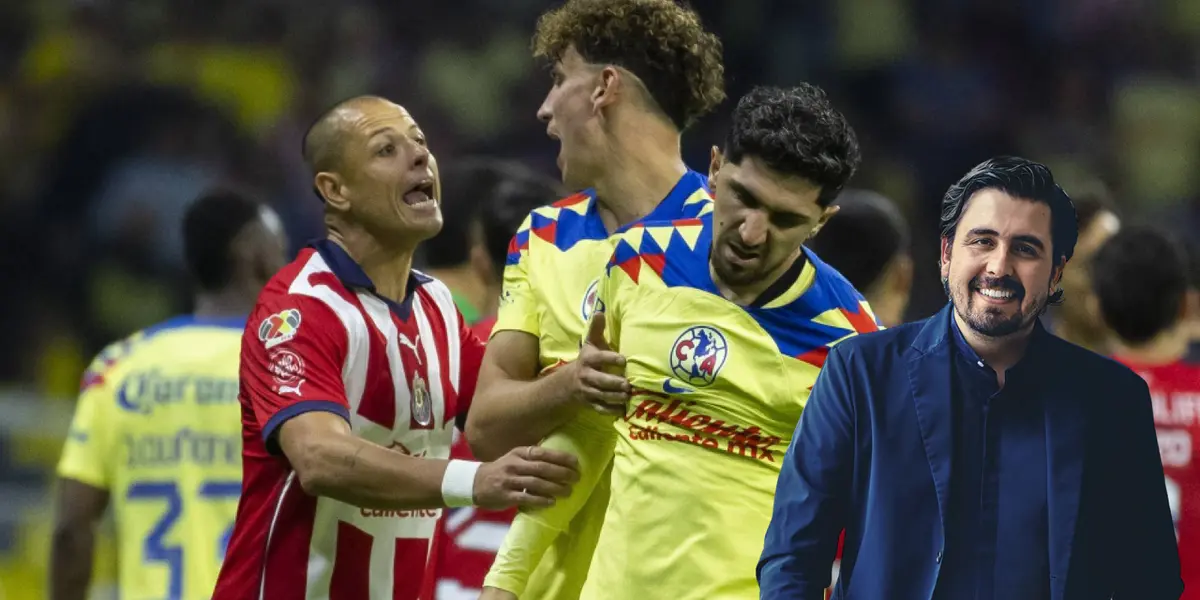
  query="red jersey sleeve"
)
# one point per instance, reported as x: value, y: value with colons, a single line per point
x: 292, y: 355
x: 470, y: 359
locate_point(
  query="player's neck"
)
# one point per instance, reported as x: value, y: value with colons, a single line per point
x: 1166, y: 348
x: 228, y: 303
x: 387, y: 266
x: 463, y: 282
x: 643, y: 164
x: 746, y: 295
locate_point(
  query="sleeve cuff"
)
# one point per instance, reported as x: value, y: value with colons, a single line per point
x: 293, y: 410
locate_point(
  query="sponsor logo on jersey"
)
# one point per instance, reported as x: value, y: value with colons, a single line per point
x: 279, y: 327
x: 698, y: 355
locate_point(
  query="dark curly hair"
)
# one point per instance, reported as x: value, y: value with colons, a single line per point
x: 795, y: 131
x: 659, y: 41
x: 1019, y: 178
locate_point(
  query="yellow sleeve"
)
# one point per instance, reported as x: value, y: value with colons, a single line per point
x: 518, y: 307
x: 591, y: 437
x: 88, y: 451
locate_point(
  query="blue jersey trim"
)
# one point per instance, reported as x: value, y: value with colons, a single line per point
x: 572, y: 228
x: 294, y: 410
x: 183, y: 321
x: 352, y: 276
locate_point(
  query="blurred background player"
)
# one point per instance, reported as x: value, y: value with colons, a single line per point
x: 157, y: 431
x: 355, y: 370
x: 489, y: 198
x: 867, y: 241
x: 703, y: 309
x: 1142, y: 288
x: 1077, y: 321
x: 628, y: 76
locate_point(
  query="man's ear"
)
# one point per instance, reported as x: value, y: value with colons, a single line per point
x: 715, y: 160
x: 944, y: 257
x: 607, y: 89
x: 823, y: 219
x: 1056, y: 275
x: 330, y: 186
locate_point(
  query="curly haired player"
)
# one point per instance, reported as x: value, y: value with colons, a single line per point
x: 628, y: 77
x: 725, y: 320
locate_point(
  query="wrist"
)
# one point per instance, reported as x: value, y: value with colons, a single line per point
x: 458, y: 483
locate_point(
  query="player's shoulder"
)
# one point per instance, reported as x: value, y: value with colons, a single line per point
x: 670, y: 252
x: 106, y: 363
x: 147, y: 346
x: 560, y: 225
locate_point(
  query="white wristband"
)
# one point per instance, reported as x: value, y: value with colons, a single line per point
x: 458, y: 484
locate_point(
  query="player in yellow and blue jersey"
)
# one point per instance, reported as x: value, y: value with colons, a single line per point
x: 628, y: 77
x: 157, y: 430
x: 724, y: 322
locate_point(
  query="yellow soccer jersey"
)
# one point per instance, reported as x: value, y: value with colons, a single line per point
x: 720, y: 389
x: 554, y: 265
x: 158, y: 425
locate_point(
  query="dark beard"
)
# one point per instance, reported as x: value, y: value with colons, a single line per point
x: 992, y: 322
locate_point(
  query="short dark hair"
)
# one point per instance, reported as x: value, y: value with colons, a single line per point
x: 1019, y: 178
x: 324, y: 141
x: 662, y: 43
x: 863, y: 238
x: 497, y: 195
x: 1140, y: 276
x: 211, y: 223
x: 795, y: 131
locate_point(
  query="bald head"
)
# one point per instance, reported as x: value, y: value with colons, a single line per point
x: 326, y: 138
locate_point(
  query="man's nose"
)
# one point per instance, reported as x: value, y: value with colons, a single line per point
x: 420, y: 156
x: 754, y: 229
x: 998, y: 263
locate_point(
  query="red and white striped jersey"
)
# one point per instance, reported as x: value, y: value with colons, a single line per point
x: 320, y: 338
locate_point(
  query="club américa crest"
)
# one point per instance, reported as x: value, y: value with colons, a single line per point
x: 698, y: 355
x: 589, y: 300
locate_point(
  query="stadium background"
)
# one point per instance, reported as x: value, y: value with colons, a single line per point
x: 113, y: 115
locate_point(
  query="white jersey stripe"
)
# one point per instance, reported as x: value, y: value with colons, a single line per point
x: 383, y: 567
x: 381, y: 318
x: 354, y: 370
x: 287, y: 485
x: 445, y: 303
x: 439, y: 436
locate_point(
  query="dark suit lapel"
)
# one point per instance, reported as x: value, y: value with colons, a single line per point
x: 929, y: 375
x: 1064, y: 477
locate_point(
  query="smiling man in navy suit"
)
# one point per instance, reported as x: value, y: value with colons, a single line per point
x: 974, y: 455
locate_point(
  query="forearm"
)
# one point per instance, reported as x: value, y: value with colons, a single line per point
x: 71, y: 561
x: 508, y: 413
x: 360, y: 473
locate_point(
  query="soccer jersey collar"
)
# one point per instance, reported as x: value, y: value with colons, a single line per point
x: 671, y: 206
x: 353, y: 277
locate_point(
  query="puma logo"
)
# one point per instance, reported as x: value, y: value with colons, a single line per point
x: 411, y: 346
x: 289, y: 389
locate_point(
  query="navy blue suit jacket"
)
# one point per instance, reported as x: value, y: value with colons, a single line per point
x: 872, y: 454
